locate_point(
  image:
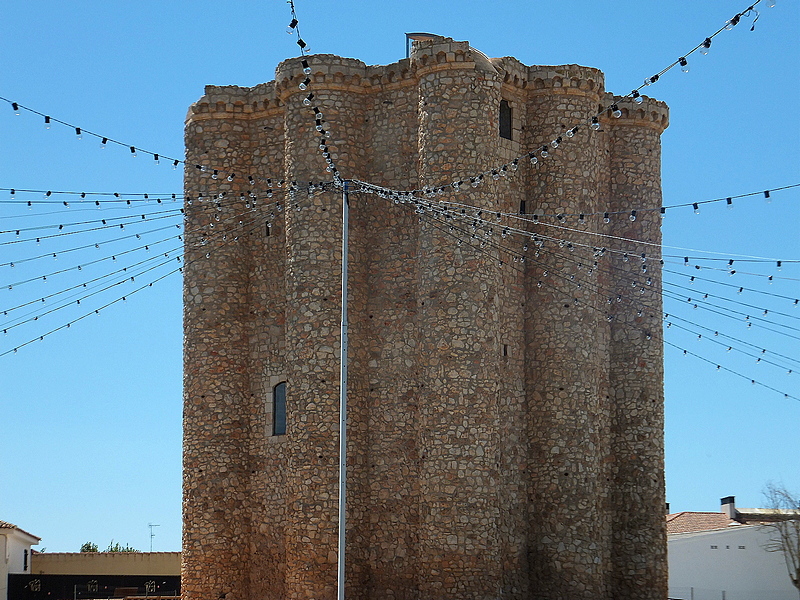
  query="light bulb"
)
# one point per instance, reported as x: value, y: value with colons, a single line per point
x: 47, y: 122
x: 632, y: 216
x: 555, y: 143
x: 534, y: 160
x: 291, y: 26
x: 616, y: 111
x: 133, y: 152
x: 696, y: 208
x: 306, y: 67
x: 705, y: 46
x: 78, y: 133
x: 544, y: 152
x: 595, y: 124
x: 684, y: 64
x: 606, y: 218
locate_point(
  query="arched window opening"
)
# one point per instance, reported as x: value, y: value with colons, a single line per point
x: 505, y: 120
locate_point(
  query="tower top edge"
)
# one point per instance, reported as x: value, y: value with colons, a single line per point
x: 436, y: 53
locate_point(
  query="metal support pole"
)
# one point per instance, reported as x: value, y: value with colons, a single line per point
x: 343, y: 394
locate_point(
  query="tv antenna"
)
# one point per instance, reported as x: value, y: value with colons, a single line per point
x: 152, y: 534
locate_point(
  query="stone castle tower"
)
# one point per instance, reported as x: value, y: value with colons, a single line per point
x: 505, y: 437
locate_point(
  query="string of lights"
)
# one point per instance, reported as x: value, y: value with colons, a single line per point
x: 759, y: 358
x: 294, y: 28
x: 535, y: 220
x: 85, y: 284
x: 731, y: 371
x: 69, y: 324
x: 258, y: 223
x: 477, y: 219
x: 593, y: 122
x: 749, y: 320
x: 630, y: 213
x: 740, y: 289
x: 723, y: 298
x: 82, y: 266
x: 127, y: 219
x: 97, y: 245
x: 119, y: 196
x: 540, y: 283
x: 35, y: 316
x: 731, y: 272
x: 217, y: 205
x: 476, y: 180
x: 716, y: 334
x: 210, y: 170
x: 77, y: 232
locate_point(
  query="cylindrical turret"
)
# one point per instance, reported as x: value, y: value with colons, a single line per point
x: 567, y: 342
x: 638, y: 548
x: 313, y: 313
x: 216, y: 461
x: 458, y: 549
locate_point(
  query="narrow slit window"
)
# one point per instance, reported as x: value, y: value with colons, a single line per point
x: 279, y: 409
x: 268, y: 231
x: 522, y: 207
x: 505, y: 120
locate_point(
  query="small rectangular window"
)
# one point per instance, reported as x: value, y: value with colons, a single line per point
x: 522, y: 207
x: 713, y: 547
x: 505, y: 120
x: 279, y: 409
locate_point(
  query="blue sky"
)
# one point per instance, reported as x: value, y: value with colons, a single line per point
x: 90, y: 416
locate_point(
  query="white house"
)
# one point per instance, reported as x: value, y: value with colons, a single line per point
x: 15, y: 553
x: 724, y: 556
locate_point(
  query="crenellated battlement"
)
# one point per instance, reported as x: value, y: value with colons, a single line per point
x: 649, y: 113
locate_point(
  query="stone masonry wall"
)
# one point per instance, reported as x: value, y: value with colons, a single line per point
x: 505, y: 403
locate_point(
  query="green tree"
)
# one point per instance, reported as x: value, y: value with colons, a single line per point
x: 117, y: 547
x: 89, y: 547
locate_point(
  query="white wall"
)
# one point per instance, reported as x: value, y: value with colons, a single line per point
x: 13, y: 545
x: 739, y: 565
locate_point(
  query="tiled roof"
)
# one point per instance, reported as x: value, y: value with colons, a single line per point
x: 689, y: 522
x: 7, y: 525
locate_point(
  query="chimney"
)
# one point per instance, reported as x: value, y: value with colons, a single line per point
x: 667, y: 507
x: 728, y: 506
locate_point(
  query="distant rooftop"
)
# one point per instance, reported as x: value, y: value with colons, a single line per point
x: 691, y: 522
x: 7, y: 525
